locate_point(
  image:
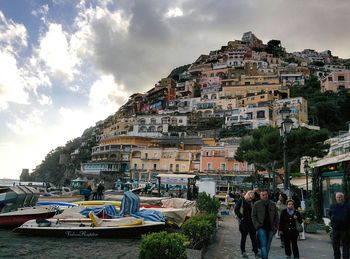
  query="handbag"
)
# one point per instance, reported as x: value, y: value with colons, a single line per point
x: 299, y: 227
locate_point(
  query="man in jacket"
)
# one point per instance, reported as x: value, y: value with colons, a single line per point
x: 265, y: 220
x: 339, y: 213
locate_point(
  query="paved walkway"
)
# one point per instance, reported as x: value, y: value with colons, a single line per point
x: 227, y: 242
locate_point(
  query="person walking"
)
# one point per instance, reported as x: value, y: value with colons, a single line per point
x: 243, y: 210
x: 100, y: 189
x: 287, y: 229
x: 281, y: 205
x: 265, y: 220
x: 339, y: 213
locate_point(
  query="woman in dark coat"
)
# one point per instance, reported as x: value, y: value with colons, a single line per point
x: 243, y: 210
x: 288, y: 229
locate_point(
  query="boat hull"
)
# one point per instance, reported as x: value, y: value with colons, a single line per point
x: 91, y: 232
x: 12, y: 220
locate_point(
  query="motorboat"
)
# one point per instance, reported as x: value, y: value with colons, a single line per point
x: 92, y: 227
x: 14, y: 197
x: 8, y: 199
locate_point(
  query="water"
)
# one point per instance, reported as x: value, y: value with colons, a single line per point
x: 13, y: 245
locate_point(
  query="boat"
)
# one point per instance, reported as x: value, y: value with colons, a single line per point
x: 14, y: 197
x: 7, y: 199
x: 17, y: 218
x: 92, y: 227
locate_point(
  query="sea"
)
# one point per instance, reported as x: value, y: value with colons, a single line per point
x: 13, y: 245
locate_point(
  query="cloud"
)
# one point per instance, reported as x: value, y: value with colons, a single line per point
x: 106, y: 96
x: 54, y: 51
x: 45, y: 100
x: 174, y: 12
x: 13, y: 36
x: 12, y: 85
x: 30, y: 125
x: 42, y: 11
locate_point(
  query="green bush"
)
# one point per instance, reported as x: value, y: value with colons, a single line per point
x: 199, y: 229
x: 163, y: 245
x: 207, y: 204
x: 211, y: 218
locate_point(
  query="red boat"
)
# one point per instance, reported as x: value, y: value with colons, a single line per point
x: 17, y: 218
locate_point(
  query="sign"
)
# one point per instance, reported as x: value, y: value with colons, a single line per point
x: 174, y: 180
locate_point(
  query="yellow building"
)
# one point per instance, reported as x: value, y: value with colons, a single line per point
x: 250, y: 90
x: 256, y: 99
x: 146, y: 163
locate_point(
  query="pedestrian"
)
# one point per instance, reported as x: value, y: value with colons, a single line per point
x: 281, y: 205
x: 339, y: 213
x: 296, y: 199
x: 94, y: 191
x: 243, y: 210
x: 256, y: 194
x: 100, y: 189
x: 265, y: 220
x: 288, y: 229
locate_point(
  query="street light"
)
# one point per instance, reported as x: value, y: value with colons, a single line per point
x: 306, y: 169
x: 285, y: 128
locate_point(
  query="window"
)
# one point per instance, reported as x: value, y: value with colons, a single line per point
x: 210, y: 166
x: 236, y: 167
x: 260, y: 114
x: 177, y: 168
x: 250, y: 167
x: 341, y: 78
x: 154, y: 166
x: 143, y: 166
x: 171, y: 167
x: 223, y: 167
x: 135, y: 166
x: 146, y: 155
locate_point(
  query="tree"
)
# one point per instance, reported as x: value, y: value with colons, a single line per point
x: 264, y: 148
x: 274, y: 47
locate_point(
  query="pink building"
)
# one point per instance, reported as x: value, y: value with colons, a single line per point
x: 336, y: 81
x: 221, y: 159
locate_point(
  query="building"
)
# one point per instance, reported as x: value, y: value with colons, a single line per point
x: 296, y: 79
x: 336, y: 81
x: 299, y: 111
x: 250, y: 117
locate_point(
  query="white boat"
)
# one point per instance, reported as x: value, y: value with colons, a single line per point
x: 93, y: 227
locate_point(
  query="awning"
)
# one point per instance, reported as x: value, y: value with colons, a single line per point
x: 331, y: 160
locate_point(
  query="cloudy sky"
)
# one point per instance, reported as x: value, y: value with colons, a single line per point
x: 66, y: 64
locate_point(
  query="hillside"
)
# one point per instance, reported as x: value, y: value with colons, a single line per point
x: 191, y: 92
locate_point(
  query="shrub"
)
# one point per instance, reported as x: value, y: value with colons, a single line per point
x: 207, y: 204
x: 198, y: 229
x: 163, y: 245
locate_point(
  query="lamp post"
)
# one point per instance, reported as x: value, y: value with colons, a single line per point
x: 306, y: 169
x: 285, y: 128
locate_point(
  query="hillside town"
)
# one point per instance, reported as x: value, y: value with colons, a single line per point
x: 188, y: 122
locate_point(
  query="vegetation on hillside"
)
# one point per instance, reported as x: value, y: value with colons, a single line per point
x: 328, y: 110
x: 63, y: 163
x: 264, y: 148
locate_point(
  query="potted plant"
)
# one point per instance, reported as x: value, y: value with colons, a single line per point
x: 311, y: 222
x: 199, y: 230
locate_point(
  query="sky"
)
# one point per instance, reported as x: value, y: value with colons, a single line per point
x: 66, y: 64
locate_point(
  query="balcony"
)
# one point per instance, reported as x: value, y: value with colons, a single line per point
x: 150, y: 158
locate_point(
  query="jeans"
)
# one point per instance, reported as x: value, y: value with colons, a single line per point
x: 340, y: 236
x: 265, y: 238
